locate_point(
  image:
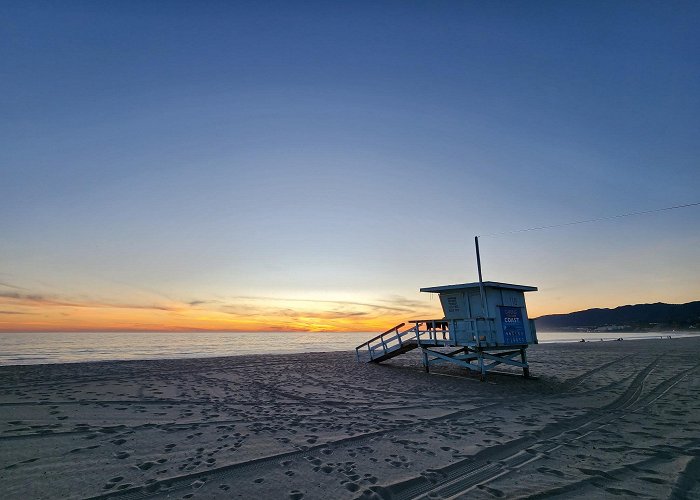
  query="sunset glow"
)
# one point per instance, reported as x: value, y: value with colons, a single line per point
x: 310, y: 166
x: 34, y: 313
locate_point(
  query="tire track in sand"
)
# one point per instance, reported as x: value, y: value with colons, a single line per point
x: 571, y: 383
x: 462, y: 477
x: 499, y: 460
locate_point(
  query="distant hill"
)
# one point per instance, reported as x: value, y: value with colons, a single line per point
x: 634, y: 317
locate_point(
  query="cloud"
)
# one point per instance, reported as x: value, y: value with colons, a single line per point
x: 22, y: 296
x: 7, y: 285
x: 199, y: 302
x: 34, y: 299
x: 401, y: 308
x: 11, y: 312
x: 321, y: 311
x: 404, y: 303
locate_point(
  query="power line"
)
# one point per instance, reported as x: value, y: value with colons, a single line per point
x: 631, y: 214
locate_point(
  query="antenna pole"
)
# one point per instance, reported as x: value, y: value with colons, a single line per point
x: 484, y: 306
x: 478, y: 260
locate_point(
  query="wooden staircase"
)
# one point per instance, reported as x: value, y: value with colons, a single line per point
x: 391, y: 343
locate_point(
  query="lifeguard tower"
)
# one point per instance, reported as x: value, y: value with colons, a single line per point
x: 485, y: 321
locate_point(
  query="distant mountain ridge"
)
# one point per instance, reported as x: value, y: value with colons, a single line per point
x: 631, y: 317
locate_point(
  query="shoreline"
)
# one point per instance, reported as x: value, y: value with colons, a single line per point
x: 216, y: 349
x: 321, y: 425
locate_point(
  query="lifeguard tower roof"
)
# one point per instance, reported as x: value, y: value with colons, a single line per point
x: 490, y: 284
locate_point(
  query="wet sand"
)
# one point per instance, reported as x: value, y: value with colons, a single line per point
x: 615, y: 419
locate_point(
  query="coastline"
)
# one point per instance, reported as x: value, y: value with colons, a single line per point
x: 50, y: 348
x: 601, y: 418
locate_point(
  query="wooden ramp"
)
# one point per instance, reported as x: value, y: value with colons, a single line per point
x: 391, y: 343
x: 408, y: 345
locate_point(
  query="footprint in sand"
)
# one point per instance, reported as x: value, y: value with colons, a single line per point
x: 152, y: 486
x: 493, y: 491
x: 596, y: 472
x: 622, y: 492
x: 654, y: 480
x: 547, y: 470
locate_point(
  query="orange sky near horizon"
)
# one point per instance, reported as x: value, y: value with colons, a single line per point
x: 37, y: 313
x: 41, y: 313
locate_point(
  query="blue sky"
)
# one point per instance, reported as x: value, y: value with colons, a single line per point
x: 159, y: 154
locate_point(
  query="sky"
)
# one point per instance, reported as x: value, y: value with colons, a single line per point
x: 310, y: 165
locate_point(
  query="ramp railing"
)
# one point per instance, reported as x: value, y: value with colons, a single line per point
x: 388, y: 341
x: 432, y: 329
x: 451, y: 331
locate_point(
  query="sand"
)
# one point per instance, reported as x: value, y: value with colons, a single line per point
x: 615, y: 419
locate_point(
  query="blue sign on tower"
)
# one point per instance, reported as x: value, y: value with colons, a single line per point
x: 513, y: 325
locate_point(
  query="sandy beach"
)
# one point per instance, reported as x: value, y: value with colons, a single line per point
x: 615, y: 419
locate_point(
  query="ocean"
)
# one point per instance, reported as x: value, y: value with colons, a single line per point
x: 62, y: 347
